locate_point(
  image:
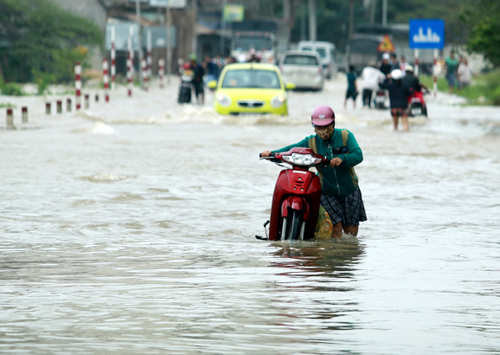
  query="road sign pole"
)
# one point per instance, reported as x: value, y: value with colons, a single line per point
x: 416, y: 62
x: 434, y: 69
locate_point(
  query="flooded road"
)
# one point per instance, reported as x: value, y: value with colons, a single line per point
x: 128, y: 228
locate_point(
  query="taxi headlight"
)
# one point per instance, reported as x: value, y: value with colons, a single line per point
x: 223, y: 100
x: 278, y: 101
x: 301, y: 159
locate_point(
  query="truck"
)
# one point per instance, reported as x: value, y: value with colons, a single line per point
x: 268, y: 39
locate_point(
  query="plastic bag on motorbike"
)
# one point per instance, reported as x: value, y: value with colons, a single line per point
x: 324, y: 226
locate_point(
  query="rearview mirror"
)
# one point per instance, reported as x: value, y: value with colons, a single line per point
x: 290, y: 86
x: 212, y: 84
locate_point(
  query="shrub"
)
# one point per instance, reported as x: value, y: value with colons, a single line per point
x: 12, y: 89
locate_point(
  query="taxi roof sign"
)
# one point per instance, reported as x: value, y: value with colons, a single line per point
x: 386, y: 45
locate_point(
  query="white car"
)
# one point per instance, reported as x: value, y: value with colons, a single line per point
x: 303, y: 68
x: 327, y: 52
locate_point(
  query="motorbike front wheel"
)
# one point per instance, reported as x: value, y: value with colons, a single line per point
x: 293, y: 226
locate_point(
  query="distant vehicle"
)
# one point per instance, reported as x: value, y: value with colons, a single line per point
x: 267, y: 38
x: 366, y: 39
x: 327, y: 52
x: 303, y: 68
x: 251, y: 88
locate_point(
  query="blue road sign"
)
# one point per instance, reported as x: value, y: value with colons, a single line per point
x: 426, y: 34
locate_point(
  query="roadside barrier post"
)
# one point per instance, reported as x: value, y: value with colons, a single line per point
x: 68, y: 105
x: 78, y: 85
x: 24, y: 111
x: 59, y: 106
x: 47, y: 108
x: 161, y: 70
x: 87, y: 101
x: 105, y: 79
x: 113, y: 59
x: 10, y: 118
x: 144, y: 74
x: 96, y: 97
x: 149, y: 63
x: 130, y: 63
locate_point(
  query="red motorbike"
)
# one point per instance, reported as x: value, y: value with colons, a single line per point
x: 416, y: 104
x: 297, y: 195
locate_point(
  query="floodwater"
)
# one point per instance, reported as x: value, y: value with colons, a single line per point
x: 128, y: 228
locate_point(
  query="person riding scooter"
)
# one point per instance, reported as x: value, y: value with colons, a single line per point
x: 340, y: 194
x: 416, y: 87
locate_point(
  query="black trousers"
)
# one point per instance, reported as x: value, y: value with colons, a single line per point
x: 367, y: 97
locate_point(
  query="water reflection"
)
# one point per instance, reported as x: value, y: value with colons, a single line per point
x: 330, y: 259
x: 317, y: 282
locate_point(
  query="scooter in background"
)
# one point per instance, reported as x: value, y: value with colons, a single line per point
x: 380, y: 99
x: 297, y: 196
x: 185, y: 87
x: 417, y: 106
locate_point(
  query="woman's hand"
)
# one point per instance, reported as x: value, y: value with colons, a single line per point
x: 265, y: 153
x: 335, y: 162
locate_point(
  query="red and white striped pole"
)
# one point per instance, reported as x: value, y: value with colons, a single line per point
x: 105, y: 79
x: 149, y: 58
x: 10, y: 118
x: 416, y: 62
x: 161, y: 70
x: 130, y: 63
x: 434, y: 72
x: 113, y: 59
x: 78, y: 84
x: 144, y: 68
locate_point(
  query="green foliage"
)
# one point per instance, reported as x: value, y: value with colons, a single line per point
x: 484, y: 89
x: 12, y: 89
x: 484, y: 22
x: 428, y: 81
x: 43, y: 80
x: 43, y: 39
x: 7, y: 105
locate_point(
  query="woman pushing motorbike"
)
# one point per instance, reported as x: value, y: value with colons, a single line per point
x: 340, y: 193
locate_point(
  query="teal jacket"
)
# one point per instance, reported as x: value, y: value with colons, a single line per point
x: 341, y: 180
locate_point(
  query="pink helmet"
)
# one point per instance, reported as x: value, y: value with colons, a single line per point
x: 322, y: 116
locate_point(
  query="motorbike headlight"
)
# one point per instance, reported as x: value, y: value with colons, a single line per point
x: 278, y: 101
x: 301, y: 159
x: 223, y: 100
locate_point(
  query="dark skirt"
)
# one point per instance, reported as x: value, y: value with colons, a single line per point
x: 349, y: 209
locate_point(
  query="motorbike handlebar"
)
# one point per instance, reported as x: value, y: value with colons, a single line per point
x: 269, y: 157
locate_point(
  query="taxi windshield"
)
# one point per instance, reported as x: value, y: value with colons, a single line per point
x: 251, y: 78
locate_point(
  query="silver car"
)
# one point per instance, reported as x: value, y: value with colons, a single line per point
x: 303, y: 68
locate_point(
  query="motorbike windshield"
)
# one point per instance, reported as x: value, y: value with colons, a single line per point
x: 251, y: 78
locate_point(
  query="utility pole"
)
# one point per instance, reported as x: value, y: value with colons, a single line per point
x: 169, y: 44
x: 139, y: 39
x: 384, y: 12
x: 302, y: 21
x: 223, y: 30
x: 195, y: 26
x: 351, y: 18
x: 351, y: 31
x: 373, y: 6
x: 312, y: 20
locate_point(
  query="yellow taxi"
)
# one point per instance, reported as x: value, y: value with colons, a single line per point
x: 250, y: 88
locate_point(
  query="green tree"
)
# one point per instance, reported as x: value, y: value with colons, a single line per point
x: 484, y: 29
x: 43, y: 40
